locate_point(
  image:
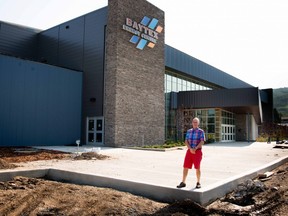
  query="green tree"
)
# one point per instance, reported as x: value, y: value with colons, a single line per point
x: 277, y: 116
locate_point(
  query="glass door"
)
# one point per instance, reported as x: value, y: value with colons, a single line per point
x: 95, y: 130
x: 228, y: 133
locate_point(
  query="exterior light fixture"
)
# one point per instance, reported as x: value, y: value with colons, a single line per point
x: 92, y: 100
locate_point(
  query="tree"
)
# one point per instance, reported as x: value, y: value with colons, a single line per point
x: 277, y: 116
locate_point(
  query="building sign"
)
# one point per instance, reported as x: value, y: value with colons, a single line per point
x: 144, y: 33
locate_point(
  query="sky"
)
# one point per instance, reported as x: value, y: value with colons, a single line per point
x: 247, y: 39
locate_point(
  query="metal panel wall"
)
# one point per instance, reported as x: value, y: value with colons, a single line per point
x: 71, y: 36
x: 40, y: 104
x: 244, y: 101
x: 219, y: 98
x: 189, y: 65
x: 63, y: 45
x: 93, y: 62
x: 48, y: 46
x: 17, y: 40
x: 79, y: 44
x: 93, y: 65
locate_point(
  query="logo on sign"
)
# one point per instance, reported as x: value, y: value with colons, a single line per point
x: 144, y: 33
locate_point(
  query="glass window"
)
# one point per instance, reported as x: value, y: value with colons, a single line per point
x: 191, y: 86
x: 91, y: 125
x: 211, y: 112
x: 184, y: 82
x: 169, y: 78
x: 99, y: 125
x: 211, y: 120
x: 99, y: 137
x: 174, y: 84
x: 90, y: 137
x: 178, y: 83
x: 211, y: 128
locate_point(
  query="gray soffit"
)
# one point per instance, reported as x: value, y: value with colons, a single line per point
x: 239, y: 101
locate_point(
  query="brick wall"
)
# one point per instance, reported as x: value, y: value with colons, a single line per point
x: 134, y: 110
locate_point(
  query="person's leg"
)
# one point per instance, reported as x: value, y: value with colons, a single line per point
x: 183, y: 182
x: 185, y: 173
x: 198, y: 158
x: 198, y: 175
x: 187, y: 165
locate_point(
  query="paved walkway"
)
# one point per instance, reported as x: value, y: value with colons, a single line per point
x: 155, y: 174
x: 221, y: 162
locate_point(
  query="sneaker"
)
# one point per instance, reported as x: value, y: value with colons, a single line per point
x: 198, y: 185
x: 181, y: 185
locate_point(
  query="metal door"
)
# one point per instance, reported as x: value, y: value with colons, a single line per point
x: 95, y: 130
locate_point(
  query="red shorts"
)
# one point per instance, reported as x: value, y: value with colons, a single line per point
x: 191, y: 159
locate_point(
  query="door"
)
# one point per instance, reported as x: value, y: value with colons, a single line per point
x: 95, y: 130
x: 228, y: 133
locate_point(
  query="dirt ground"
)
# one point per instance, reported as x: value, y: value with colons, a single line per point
x: 31, y: 196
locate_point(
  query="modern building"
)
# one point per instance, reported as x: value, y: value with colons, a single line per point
x: 108, y: 78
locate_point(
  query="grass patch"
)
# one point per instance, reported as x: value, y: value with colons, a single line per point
x: 166, y: 145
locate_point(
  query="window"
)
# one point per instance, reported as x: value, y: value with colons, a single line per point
x: 178, y: 83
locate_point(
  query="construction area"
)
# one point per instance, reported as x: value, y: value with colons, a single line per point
x: 237, y: 179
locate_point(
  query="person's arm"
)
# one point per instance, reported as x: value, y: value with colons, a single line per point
x: 192, y: 150
x: 199, y: 145
x: 187, y: 144
x: 202, y: 138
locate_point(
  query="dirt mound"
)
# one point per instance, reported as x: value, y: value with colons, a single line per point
x: 257, y: 197
x: 26, y: 154
x: 6, y: 165
x: 30, y: 196
x: 90, y: 156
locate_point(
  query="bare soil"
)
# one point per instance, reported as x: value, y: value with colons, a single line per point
x: 31, y: 196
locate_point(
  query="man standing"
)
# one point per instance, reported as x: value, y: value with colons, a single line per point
x: 194, y: 140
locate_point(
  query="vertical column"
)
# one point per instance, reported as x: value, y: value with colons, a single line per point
x: 134, y: 109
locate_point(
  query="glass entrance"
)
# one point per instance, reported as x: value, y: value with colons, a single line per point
x: 228, y: 133
x: 95, y: 130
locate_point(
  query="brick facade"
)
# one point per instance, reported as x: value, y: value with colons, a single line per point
x: 134, y: 110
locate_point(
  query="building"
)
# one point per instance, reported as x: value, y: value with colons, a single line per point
x: 108, y: 78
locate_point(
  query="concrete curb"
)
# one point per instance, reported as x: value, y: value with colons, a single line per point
x: 203, y: 196
x: 156, y: 149
x: 35, y: 173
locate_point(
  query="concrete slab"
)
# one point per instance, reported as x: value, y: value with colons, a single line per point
x: 224, y: 165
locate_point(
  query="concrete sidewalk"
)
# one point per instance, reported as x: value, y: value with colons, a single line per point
x: 224, y: 165
x: 220, y: 161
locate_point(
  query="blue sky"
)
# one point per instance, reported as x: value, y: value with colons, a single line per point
x: 245, y: 38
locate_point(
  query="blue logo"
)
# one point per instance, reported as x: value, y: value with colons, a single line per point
x: 144, y: 33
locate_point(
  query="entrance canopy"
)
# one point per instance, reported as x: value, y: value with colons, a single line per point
x: 239, y: 101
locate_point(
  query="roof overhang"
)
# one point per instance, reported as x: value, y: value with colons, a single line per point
x: 239, y: 101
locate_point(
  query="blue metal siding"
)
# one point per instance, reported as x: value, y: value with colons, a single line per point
x: 79, y: 44
x: 18, y: 40
x: 189, y: 65
x: 40, y: 104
